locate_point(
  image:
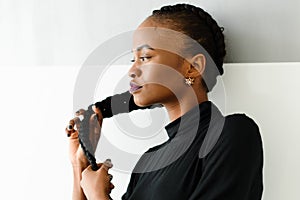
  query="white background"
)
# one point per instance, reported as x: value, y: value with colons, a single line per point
x: 42, y: 47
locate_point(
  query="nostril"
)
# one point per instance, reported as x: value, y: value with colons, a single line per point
x: 134, y: 72
x: 132, y: 75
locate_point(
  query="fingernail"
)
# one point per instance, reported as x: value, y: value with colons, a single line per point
x: 70, y: 127
x: 108, y: 163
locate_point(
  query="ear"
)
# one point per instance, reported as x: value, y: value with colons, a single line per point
x: 197, y: 66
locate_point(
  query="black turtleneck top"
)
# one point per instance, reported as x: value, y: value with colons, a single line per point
x: 207, y: 157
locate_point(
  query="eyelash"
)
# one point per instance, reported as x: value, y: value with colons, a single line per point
x: 142, y: 57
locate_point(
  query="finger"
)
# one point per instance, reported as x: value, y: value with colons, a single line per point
x: 107, y: 164
x: 95, y: 131
x: 70, y: 128
x: 110, y: 177
x: 87, y: 170
x: 99, y: 164
x: 79, y: 112
x: 71, y: 124
x: 94, y: 119
x: 69, y: 132
x: 77, y: 122
x: 73, y: 135
x: 104, y: 168
x: 96, y: 110
x: 94, y: 124
x: 111, y: 186
x: 99, y: 114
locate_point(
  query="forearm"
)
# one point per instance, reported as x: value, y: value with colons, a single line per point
x: 77, y: 190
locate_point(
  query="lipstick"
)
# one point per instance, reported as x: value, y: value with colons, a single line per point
x: 134, y: 87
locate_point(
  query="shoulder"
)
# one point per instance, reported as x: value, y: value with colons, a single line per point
x: 239, y: 142
x: 240, y: 124
x: 240, y: 131
x: 240, y: 119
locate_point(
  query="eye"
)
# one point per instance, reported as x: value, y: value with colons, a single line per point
x: 142, y: 58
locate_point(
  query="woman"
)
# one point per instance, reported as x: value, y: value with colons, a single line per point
x: 208, y: 155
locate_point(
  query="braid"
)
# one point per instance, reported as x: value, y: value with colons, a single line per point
x: 84, y: 140
x: 216, y: 31
x: 197, y: 24
x: 83, y: 135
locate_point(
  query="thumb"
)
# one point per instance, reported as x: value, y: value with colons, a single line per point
x: 107, y: 164
x: 99, y: 114
x: 86, y: 170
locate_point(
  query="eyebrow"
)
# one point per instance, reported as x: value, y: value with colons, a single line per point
x: 144, y: 46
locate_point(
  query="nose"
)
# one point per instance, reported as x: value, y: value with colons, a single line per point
x: 134, y: 72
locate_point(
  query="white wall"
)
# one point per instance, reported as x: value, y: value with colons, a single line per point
x: 269, y: 93
x: 44, y: 43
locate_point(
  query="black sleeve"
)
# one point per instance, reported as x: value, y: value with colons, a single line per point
x: 233, y: 169
x: 119, y: 103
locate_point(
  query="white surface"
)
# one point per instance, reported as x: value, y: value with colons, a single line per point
x: 269, y: 93
x: 64, y: 32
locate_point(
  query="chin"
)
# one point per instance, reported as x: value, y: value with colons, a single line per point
x: 142, y: 102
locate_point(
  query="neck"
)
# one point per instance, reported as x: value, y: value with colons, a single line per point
x: 179, y: 107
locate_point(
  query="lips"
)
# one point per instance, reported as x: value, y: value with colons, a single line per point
x: 134, y: 87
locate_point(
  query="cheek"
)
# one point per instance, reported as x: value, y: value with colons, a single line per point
x: 162, y: 75
x: 152, y: 94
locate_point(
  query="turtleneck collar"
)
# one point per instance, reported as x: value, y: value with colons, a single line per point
x: 201, y: 112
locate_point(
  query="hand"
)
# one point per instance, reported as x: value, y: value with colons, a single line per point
x: 96, y: 185
x: 76, y: 154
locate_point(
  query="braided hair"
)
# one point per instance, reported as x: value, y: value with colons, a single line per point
x: 201, y: 27
x: 84, y: 140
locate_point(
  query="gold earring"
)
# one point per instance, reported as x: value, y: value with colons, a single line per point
x: 189, y: 81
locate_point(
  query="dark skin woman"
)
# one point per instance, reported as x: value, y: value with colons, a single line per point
x: 178, y: 54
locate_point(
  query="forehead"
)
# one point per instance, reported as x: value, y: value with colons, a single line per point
x: 156, y: 37
x: 164, y: 39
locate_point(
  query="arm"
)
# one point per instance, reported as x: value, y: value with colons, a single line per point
x: 79, y: 163
x: 77, y: 190
x: 233, y: 169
